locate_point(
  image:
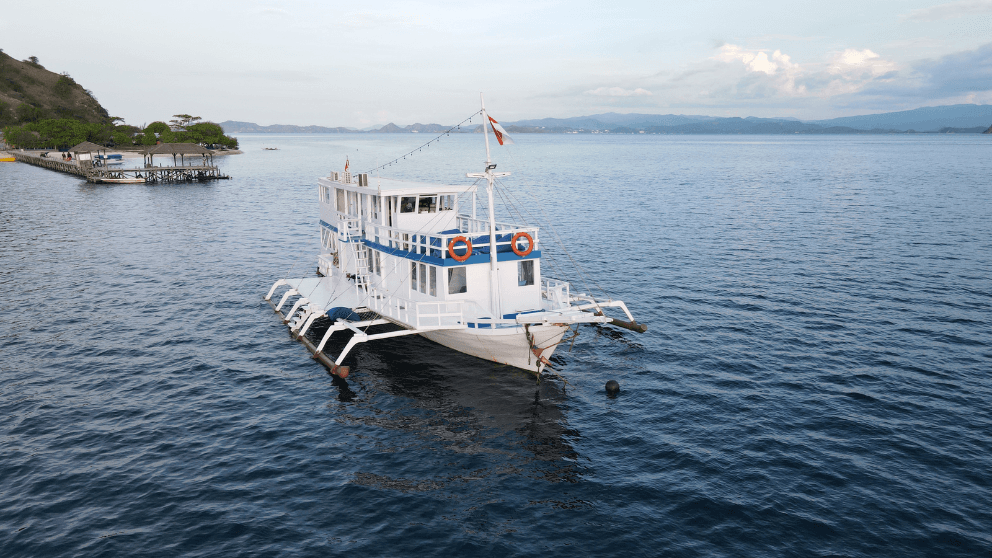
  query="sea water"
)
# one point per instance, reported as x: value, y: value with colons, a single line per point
x: 814, y: 380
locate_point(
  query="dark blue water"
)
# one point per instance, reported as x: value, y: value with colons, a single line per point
x: 815, y: 380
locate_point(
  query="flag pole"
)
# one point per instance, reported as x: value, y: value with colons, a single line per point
x: 485, y: 127
x: 493, y: 275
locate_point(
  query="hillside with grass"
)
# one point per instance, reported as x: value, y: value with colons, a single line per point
x: 40, y: 109
x: 29, y: 92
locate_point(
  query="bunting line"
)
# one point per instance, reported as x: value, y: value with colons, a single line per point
x: 438, y: 138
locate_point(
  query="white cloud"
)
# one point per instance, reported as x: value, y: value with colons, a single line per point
x: 272, y: 11
x: 948, y: 11
x: 780, y: 68
x: 860, y: 61
x: 619, y: 92
x: 757, y: 61
x: 853, y: 70
x: 764, y: 74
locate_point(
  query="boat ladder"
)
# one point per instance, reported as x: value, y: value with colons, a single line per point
x: 362, y: 279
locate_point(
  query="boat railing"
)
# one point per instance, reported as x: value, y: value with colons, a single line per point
x: 436, y: 244
x: 326, y: 264
x: 474, y: 226
x: 418, y: 314
x: 555, y: 292
x: 348, y: 227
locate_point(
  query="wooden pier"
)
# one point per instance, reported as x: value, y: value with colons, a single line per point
x: 53, y: 164
x: 151, y: 175
x: 85, y: 165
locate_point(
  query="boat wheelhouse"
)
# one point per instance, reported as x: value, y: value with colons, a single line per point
x: 419, y: 256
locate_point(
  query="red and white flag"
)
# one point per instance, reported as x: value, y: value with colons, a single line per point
x: 345, y: 164
x: 501, y: 136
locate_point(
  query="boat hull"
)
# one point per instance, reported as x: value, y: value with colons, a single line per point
x: 508, y: 346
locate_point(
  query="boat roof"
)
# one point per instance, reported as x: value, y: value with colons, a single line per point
x: 392, y: 187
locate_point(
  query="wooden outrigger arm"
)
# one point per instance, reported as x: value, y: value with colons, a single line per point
x: 596, y: 308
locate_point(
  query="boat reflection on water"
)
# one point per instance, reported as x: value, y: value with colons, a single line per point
x: 459, y: 404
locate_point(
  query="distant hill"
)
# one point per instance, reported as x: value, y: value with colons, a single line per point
x: 235, y: 127
x: 611, y: 120
x: 29, y: 92
x: 958, y: 119
x: 925, y: 119
x: 944, y: 119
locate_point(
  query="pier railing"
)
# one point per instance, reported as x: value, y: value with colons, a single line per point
x: 52, y: 164
x: 115, y: 174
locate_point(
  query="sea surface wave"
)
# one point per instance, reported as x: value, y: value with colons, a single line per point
x: 814, y: 380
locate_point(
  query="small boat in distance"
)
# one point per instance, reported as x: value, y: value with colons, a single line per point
x: 419, y: 256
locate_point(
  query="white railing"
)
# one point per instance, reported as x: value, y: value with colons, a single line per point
x: 472, y: 225
x: 556, y: 293
x: 418, y: 314
x: 348, y: 227
x: 432, y: 244
x: 436, y: 245
x: 326, y: 264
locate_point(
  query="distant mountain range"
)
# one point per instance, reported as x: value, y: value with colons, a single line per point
x: 942, y: 119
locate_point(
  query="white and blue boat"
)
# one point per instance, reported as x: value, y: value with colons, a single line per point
x: 418, y: 256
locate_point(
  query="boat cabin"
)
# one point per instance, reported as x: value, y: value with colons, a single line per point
x: 409, y: 243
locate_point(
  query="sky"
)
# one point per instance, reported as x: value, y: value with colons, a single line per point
x: 371, y: 62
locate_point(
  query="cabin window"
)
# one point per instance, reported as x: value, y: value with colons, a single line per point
x: 456, y: 280
x: 408, y: 204
x: 378, y: 262
x: 428, y: 204
x: 423, y: 278
x: 433, y: 282
x: 525, y: 273
x: 413, y: 276
x: 406, y: 241
x: 447, y: 203
x: 340, y: 195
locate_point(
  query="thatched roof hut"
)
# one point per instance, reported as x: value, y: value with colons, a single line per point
x: 88, y: 147
x: 180, y: 149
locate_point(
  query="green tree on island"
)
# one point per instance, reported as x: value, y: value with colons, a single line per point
x: 35, y: 131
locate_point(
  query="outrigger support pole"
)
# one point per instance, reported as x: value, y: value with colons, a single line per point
x: 335, y: 367
x: 597, y: 310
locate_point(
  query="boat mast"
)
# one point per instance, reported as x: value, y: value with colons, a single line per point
x: 493, y: 280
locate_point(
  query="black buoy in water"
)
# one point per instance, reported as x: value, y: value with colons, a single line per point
x: 612, y: 387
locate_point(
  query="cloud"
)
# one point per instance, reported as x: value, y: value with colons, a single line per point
x: 619, y: 92
x: 760, y: 74
x: 764, y: 75
x: 948, y: 11
x: 756, y: 61
x: 960, y: 72
x: 272, y: 11
x: 375, y: 20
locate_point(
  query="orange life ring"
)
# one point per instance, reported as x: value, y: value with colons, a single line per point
x: 451, y: 248
x: 530, y: 244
